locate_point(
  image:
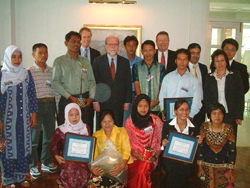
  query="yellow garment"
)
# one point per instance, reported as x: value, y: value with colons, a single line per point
x: 119, y: 137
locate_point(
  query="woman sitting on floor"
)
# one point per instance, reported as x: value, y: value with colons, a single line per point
x: 73, y: 174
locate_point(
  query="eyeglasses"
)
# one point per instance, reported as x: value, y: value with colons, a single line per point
x: 109, y: 44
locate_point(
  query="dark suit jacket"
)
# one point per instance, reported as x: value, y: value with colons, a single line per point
x: 204, y: 72
x: 234, y: 94
x: 171, y: 65
x: 243, y: 73
x: 93, y: 54
x: 121, y: 87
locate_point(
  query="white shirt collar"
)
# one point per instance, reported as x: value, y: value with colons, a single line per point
x: 185, y: 131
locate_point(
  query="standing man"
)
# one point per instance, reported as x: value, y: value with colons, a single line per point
x: 131, y: 44
x: 199, y: 71
x: 90, y: 54
x: 85, y: 50
x: 230, y: 46
x: 163, y: 55
x: 148, y: 75
x: 181, y: 83
x: 114, y: 71
x: 42, y: 74
x: 73, y: 79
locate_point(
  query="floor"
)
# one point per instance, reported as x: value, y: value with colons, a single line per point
x: 242, y: 164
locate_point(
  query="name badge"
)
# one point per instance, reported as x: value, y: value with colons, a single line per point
x: 48, y: 83
x: 149, y: 77
x: 185, y: 89
x: 85, y: 70
x: 148, y: 129
x: 8, y: 82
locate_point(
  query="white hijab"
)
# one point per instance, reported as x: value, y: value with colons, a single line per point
x: 79, y: 128
x: 11, y: 75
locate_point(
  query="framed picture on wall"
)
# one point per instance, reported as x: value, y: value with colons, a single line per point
x: 101, y: 32
x: 169, y: 105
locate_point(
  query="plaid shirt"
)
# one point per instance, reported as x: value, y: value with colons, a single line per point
x: 42, y: 81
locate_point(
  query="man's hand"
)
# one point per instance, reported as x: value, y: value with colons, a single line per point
x: 126, y: 106
x: 73, y: 99
x: 163, y: 117
x: 60, y: 159
x: 33, y: 120
x: 96, y: 106
x: 153, y: 104
x: 88, y: 102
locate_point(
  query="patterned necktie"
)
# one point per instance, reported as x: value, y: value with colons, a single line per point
x: 163, y: 59
x: 195, y: 73
x: 86, y: 53
x: 112, y: 69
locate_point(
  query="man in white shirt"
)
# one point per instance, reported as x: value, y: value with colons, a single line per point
x: 163, y: 55
x: 200, y: 71
x: 181, y: 83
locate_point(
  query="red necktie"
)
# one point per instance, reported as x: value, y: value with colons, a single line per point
x: 112, y: 69
x: 163, y: 60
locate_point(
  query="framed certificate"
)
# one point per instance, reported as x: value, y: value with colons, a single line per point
x: 169, y: 105
x: 79, y: 148
x: 181, y: 147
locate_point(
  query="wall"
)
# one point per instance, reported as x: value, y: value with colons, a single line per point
x: 48, y: 21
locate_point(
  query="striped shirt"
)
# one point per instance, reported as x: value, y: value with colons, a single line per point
x: 42, y: 81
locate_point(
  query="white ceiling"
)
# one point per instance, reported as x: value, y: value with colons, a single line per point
x: 233, y: 6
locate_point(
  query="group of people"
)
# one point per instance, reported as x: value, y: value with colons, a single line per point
x: 138, y: 87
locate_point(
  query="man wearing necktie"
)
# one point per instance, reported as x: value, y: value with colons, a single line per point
x: 163, y: 55
x: 199, y: 71
x: 114, y: 71
x: 85, y: 50
x: 90, y: 54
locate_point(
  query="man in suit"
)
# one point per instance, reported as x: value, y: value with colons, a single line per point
x: 230, y: 46
x: 85, y: 50
x: 163, y: 55
x: 114, y: 70
x: 199, y: 71
x: 91, y: 54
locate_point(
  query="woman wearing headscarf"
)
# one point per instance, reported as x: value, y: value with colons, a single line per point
x: 73, y: 174
x: 225, y: 86
x: 18, y: 107
x: 144, y: 130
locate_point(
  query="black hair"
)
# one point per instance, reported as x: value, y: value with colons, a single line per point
x: 130, y: 38
x: 230, y: 41
x: 179, y: 103
x: 216, y: 53
x: 194, y: 45
x: 184, y: 51
x: 68, y: 35
x: 162, y: 33
x: 215, y: 106
x: 103, y: 113
x: 148, y: 42
x: 38, y: 45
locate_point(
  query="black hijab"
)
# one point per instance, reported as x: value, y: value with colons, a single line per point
x: 140, y: 121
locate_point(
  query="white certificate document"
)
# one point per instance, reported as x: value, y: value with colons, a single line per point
x: 181, y: 147
x: 79, y: 148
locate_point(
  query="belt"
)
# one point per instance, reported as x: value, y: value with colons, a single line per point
x: 47, y: 99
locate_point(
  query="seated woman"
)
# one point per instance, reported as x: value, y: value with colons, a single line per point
x: 178, y: 173
x: 73, y: 174
x: 144, y: 130
x: 119, y: 136
x: 217, y: 153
